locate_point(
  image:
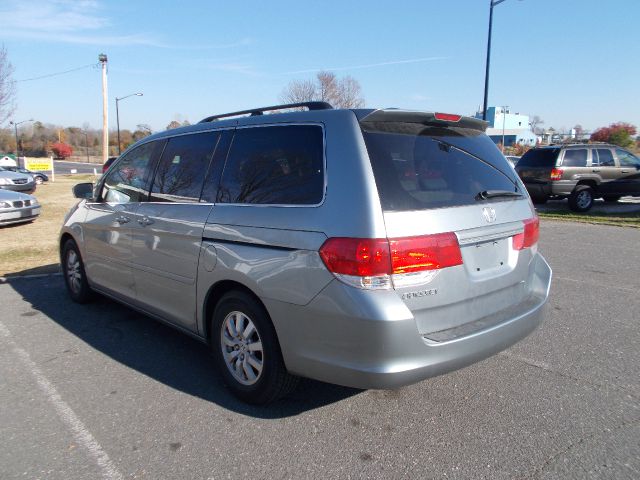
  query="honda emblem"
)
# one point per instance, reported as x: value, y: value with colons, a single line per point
x: 489, y: 214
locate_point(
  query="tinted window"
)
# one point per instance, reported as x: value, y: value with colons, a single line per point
x: 575, y: 158
x: 429, y: 167
x: 182, y: 168
x: 539, y: 157
x: 605, y: 157
x: 274, y: 165
x: 127, y: 180
x: 626, y: 159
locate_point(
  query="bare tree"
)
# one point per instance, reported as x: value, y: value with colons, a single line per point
x: 536, y: 123
x: 299, y: 91
x: 350, y: 93
x: 7, y: 86
x: 326, y: 87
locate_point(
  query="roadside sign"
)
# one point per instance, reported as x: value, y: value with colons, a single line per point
x: 39, y: 164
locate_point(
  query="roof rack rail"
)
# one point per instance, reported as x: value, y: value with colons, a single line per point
x: 260, y: 111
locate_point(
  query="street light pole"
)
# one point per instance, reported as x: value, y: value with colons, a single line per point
x: 15, y: 129
x: 492, y: 3
x: 118, y: 116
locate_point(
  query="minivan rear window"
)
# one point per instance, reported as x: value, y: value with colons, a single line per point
x: 539, y: 157
x: 419, y: 167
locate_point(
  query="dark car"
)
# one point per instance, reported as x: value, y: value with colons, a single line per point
x: 108, y: 163
x: 580, y: 173
x: 38, y: 177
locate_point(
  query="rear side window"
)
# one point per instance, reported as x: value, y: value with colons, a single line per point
x: 575, y: 158
x: 605, y: 158
x: 417, y: 167
x: 626, y: 159
x: 276, y: 165
x: 183, y: 167
x: 539, y: 157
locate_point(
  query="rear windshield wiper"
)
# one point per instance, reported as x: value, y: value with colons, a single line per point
x: 486, y: 194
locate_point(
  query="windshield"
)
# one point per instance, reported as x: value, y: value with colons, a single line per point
x: 418, y: 167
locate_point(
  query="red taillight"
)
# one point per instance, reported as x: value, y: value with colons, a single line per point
x: 448, y: 117
x: 556, y: 174
x: 429, y: 252
x: 530, y: 236
x: 364, y: 257
x: 361, y: 257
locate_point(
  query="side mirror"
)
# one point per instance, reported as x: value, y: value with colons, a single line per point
x: 83, y: 191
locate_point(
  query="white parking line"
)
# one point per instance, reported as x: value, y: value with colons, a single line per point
x: 68, y: 416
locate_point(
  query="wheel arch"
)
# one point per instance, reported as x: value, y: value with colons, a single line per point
x: 589, y: 182
x: 215, y: 293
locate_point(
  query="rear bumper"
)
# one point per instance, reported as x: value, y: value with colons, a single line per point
x: 367, y: 340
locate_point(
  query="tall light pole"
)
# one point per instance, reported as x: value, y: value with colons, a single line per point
x: 86, y: 143
x: 492, y: 3
x: 118, y: 115
x: 15, y: 129
x: 105, y: 109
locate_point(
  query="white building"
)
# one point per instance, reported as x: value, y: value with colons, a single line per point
x: 514, y: 126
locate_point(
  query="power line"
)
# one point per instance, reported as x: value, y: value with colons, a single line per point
x: 58, y: 73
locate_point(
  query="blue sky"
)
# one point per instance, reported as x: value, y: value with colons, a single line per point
x: 568, y: 61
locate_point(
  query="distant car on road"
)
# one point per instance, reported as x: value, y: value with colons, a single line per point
x: 38, y: 177
x: 108, y: 163
x: 16, y: 207
x: 18, y: 182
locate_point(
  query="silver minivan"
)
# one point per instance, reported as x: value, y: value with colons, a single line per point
x: 367, y: 248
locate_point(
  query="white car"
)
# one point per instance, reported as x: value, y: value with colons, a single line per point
x: 16, y: 207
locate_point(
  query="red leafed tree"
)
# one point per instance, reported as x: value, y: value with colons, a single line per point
x: 617, y: 133
x: 61, y: 150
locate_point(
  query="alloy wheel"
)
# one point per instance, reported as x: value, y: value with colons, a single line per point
x: 242, y: 348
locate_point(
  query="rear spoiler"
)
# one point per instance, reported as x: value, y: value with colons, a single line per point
x: 424, y: 118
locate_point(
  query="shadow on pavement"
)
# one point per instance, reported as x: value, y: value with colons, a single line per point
x: 40, y: 270
x: 158, y: 351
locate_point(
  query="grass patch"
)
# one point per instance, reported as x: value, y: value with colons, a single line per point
x: 33, y: 247
x: 620, y: 219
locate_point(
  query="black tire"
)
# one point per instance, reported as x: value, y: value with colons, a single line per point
x: 611, y: 198
x: 38, y: 180
x: 74, y: 274
x: 581, y: 199
x: 539, y: 200
x: 237, y: 355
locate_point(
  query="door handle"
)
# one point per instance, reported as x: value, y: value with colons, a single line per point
x: 595, y: 170
x: 625, y: 171
x: 122, y: 219
x: 144, y: 221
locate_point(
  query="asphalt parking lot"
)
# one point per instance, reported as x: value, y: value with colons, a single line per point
x: 100, y: 391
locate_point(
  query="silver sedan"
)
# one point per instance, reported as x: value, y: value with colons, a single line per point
x: 16, y: 207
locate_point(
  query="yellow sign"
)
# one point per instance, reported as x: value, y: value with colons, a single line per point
x: 39, y: 164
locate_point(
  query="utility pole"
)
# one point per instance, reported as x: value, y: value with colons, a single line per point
x: 105, y: 109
